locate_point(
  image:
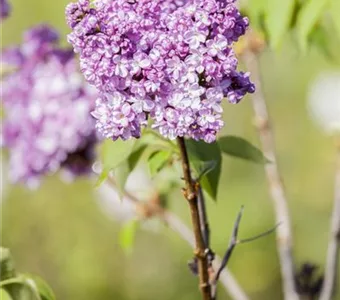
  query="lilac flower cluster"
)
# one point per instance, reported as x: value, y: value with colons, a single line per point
x: 47, y: 105
x: 168, y: 61
x: 4, y: 9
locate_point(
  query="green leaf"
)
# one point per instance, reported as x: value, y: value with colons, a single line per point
x: 39, y: 286
x: 256, y: 10
x: 241, y: 148
x: 278, y: 19
x: 307, y: 18
x: 115, y: 152
x: 20, y: 288
x: 204, y: 167
x: 122, y: 173
x: 201, y: 152
x: 320, y: 38
x: 7, y: 264
x: 136, y: 156
x: 4, y: 295
x: 158, y: 160
x: 154, y: 138
x: 127, y: 235
x: 334, y: 14
x: 101, y: 178
x: 112, y: 154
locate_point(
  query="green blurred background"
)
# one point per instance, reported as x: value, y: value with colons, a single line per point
x: 60, y: 233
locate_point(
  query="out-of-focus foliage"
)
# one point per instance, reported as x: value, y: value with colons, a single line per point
x: 5, y: 295
x: 127, y: 235
x: 334, y: 11
x: 308, y: 16
x: 158, y: 160
x: 21, y: 286
x: 278, y: 20
x: 113, y: 155
x: 310, y: 22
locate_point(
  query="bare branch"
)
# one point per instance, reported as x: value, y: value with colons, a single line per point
x: 228, y: 281
x: 226, y: 278
x: 283, y: 234
x: 332, y: 263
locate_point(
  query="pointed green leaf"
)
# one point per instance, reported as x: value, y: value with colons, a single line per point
x: 278, y: 19
x: 204, y: 167
x: 309, y: 15
x: 121, y: 175
x: 158, y: 160
x: 136, y: 156
x: 16, y: 287
x: 201, y: 152
x: 127, y: 235
x: 101, y: 178
x: 4, y: 295
x: 320, y: 38
x: 112, y: 154
x: 115, y: 152
x: 241, y: 148
x: 39, y: 286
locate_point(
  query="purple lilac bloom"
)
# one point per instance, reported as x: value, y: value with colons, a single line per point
x: 47, y: 106
x: 5, y: 9
x: 168, y: 61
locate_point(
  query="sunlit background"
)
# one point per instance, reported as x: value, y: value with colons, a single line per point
x: 61, y: 233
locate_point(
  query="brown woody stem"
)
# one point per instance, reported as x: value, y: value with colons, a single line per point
x: 191, y: 194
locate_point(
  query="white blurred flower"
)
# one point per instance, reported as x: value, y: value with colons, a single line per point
x: 113, y: 205
x: 324, y: 101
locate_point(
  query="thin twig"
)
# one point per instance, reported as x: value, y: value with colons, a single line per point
x: 226, y: 278
x: 231, y: 246
x: 256, y: 237
x: 228, y: 281
x: 283, y: 234
x: 190, y: 194
x: 235, y: 241
x: 332, y: 264
x: 203, y: 217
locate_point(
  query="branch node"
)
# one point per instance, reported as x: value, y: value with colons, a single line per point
x: 190, y: 196
x: 261, y: 123
x: 204, y: 285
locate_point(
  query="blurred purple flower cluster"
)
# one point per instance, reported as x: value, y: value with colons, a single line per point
x: 47, y: 123
x: 5, y: 9
x: 168, y: 61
